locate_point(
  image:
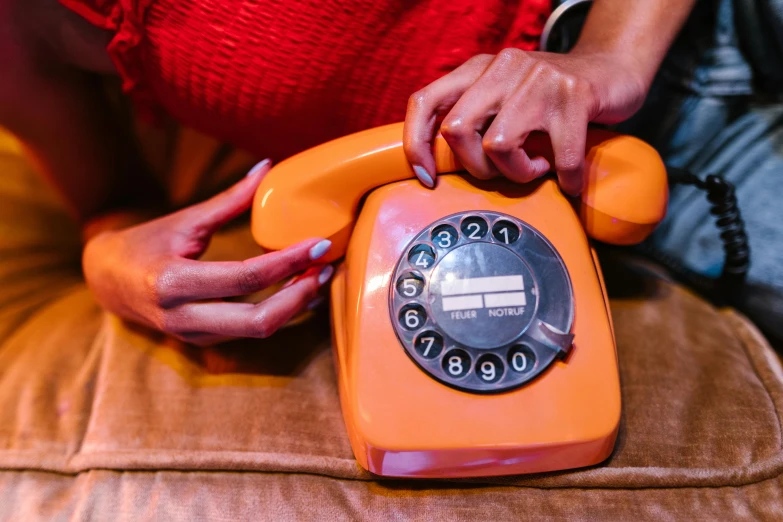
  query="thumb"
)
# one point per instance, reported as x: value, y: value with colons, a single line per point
x: 207, y: 217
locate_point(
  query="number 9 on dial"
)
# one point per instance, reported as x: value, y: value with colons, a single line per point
x: 489, y: 368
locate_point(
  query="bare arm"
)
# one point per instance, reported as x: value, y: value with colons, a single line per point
x: 640, y: 33
x: 492, y: 102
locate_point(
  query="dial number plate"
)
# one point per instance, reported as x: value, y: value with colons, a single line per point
x: 470, y: 296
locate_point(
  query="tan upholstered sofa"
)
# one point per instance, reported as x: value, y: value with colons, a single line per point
x: 101, y: 421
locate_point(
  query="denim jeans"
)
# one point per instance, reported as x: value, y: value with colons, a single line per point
x: 716, y: 108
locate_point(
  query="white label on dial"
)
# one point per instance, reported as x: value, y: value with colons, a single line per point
x: 480, y: 285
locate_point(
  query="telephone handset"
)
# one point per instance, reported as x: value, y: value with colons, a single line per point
x: 471, y: 327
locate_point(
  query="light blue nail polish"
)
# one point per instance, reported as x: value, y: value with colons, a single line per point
x: 325, y: 274
x: 315, y: 303
x: 320, y: 249
x: 258, y: 166
x: 423, y: 175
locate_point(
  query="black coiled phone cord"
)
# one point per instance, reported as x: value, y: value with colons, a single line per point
x: 723, y: 201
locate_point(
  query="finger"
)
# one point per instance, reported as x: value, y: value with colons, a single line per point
x: 189, y: 280
x: 463, y: 132
x: 249, y: 320
x: 426, y: 105
x: 504, y: 142
x: 569, y: 136
x: 507, y: 152
x: 207, y: 217
x: 464, y: 126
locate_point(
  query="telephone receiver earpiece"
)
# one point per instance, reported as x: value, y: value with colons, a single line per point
x: 317, y: 193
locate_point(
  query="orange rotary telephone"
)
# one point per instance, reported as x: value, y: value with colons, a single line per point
x: 471, y: 327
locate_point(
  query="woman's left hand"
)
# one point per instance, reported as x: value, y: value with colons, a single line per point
x: 492, y: 102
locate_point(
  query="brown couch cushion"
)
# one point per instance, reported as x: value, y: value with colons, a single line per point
x: 84, y: 399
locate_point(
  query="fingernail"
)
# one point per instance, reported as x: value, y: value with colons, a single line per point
x: 325, y: 274
x: 320, y: 249
x: 315, y: 303
x: 258, y: 166
x: 423, y: 175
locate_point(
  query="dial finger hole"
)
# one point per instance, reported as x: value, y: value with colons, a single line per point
x: 412, y: 316
x: 421, y: 256
x: 410, y: 285
x: 474, y: 227
x: 456, y: 363
x: 444, y: 236
x: 521, y: 359
x: 489, y: 368
x: 505, y: 231
x: 429, y: 344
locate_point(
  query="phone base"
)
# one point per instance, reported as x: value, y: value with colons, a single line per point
x: 404, y: 423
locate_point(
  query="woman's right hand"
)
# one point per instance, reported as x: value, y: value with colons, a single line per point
x: 150, y: 274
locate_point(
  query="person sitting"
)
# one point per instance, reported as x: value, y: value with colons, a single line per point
x: 276, y: 78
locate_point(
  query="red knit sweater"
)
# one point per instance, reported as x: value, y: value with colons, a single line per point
x: 276, y: 77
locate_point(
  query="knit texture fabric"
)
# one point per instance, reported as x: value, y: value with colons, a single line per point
x: 276, y: 77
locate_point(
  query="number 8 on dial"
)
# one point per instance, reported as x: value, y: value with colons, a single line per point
x: 456, y: 363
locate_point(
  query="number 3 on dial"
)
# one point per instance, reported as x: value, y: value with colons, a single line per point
x: 444, y: 236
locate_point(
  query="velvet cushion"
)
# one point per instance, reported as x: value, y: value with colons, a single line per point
x: 99, y: 418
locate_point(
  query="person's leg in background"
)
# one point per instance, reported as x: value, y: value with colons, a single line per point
x: 706, y: 114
